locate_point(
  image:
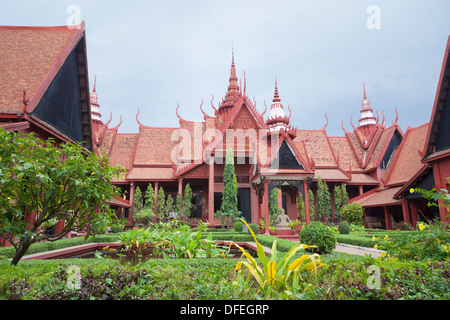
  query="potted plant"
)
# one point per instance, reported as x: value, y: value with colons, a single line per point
x: 272, y: 230
x: 295, y: 225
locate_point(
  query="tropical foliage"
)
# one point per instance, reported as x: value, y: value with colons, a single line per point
x: 278, y: 275
x: 437, y: 196
x: 65, y: 183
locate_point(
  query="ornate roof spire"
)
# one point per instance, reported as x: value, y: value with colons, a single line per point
x: 367, y: 117
x: 95, y: 113
x: 277, y: 119
x: 233, y: 88
x: 276, y: 97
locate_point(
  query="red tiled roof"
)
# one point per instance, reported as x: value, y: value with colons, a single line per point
x: 141, y: 173
x: 344, y: 154
x: 122, y: 150
x: 330, y: 175
x: 28, y: 55
x: 362, y: 178
x: 317, y: 147
x: 381, y: 197
x: 407, y: 161
x: 154, y: 146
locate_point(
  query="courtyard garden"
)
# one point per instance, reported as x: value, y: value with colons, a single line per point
x: 162, y: 258
x: 191, y: 274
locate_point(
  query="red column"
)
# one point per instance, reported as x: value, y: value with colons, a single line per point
x: 305, y: 188
x: 414, y: 215
x: 211, y: 191
x: 387, y: 217
x: 130, y: 211
x: 265, y: 206
x: 405, y: 211
x: 180, y: 186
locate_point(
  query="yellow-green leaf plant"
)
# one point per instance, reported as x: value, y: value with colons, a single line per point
x: 273, y: 275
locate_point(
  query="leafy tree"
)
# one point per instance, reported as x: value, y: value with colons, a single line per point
x: 345, y: 198
x: 323, y: 199
x: 137, y: 200
x: 340, y: 199
x: 301, y: 210
x: 274, y: 209
x: 229, y: 195
x: 179, y: 205
x: 337, y: 201
x: 312, y: 206
x: 145, y: 214
x: 187, y: 202
x: 229, y: 208
x: 169, y: 205
x: 161, y: 203
x: 149, y: 198
x: 41, y: 184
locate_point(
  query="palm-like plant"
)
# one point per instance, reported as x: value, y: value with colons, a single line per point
x: 277, y: 275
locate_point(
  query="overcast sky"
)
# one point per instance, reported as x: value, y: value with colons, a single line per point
x: 152, y: 55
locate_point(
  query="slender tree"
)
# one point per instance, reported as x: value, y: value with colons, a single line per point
x: 161, y: 203
x: 179, y: 206
x: 150, y: 198
x: 323, y: 199
x: 301, y: 210
x: 320, y: 196
x: 345, y: 198
x: 337, y: 201
x: 169, y: 205
x: 311, y: 202
x: 274, y: 209
x: 187, y: 202
x: 137, y: 200
x: 229, y: 195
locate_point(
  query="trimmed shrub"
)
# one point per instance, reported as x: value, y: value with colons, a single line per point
x: 344, y: 227
x: 320, y: 235
x: 238, y: 226
x: 254, y: 227
x: 353, y: 213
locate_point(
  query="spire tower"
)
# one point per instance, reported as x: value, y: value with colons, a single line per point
x: 277, y: 119
x: 367, y: 117
x: 233, y: 88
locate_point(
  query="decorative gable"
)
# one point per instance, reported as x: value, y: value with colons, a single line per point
x: 244, y: 120
x: 285, y: 158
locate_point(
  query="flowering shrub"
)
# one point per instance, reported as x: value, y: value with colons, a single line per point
x: 353, y: 213
x: 429, y: 241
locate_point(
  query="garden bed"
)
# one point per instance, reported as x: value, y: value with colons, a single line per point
x: 89, y: 250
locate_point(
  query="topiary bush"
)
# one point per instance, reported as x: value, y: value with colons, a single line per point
x: 344, y: 227
x: 320, y: 235
x: 254, y: 227
x: 353, y: 213
x: 238, y: 226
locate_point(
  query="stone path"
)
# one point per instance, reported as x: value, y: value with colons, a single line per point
x: 347, y: 248
x: 342, y: 247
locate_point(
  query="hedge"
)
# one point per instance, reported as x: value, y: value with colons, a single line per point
x: 9, y: 252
